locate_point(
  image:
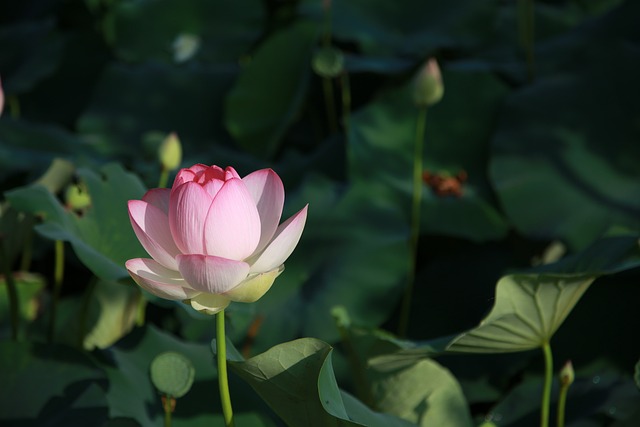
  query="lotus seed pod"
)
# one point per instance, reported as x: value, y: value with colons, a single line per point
x: 172, y: 374
x: 428, y: 88
x: 170, y: 152
x: 328, y: 62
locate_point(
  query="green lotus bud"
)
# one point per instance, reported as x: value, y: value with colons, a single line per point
x: 328, y: 62
x: 77, y: 197
x: 172, y: 374
x: 567, y: 375
x: 170, y: 152
x: 428, y: 87
x: 184, y: 47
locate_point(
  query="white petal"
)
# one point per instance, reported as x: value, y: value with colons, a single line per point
x: 254, y: 287
x: 212, y: 274
x: 158, y: 280
x: 283, y: 243
x: 151, y: 226
x: 232, y: 227
x: 209, y: 303
x: 265, y: 186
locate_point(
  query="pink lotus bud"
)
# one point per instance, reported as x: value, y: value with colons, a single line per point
x: 213, y: 237
x: 428, y: 88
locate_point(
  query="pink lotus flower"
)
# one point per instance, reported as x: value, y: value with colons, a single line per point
x: 214, y: 237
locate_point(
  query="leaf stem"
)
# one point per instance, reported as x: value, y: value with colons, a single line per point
x: 327, y: 88
x: 223, y: 380
x: 527, y: 34
x: 346, y: 102
x: 405, y: 311
x: 12, y: 291
x: 548, y: 379
x: 58, y: 277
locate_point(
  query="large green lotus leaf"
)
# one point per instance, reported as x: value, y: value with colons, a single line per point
x: 296, y: 379
x: 424, y: 393
x: 118, y: 309
x: 130, y: 101
x: 381, y: 148
x: 29, y: 148
x: 353, y: 252
x: 564, y: 158
x: 30, y: 52
x: 412, y: 27
x: 102, y: 237
x: 528, y: 310
x: 50, y: 385
x: 612, y: 254
x: 141, y: 30
x: 270, y: 89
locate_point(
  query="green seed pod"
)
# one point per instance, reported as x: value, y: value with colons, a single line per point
x: 428, y: 88
x: 328, y: 62
x: 170, y: 152
x: 172, y: 374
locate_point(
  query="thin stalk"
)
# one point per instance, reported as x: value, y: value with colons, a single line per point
x: 223, y: 379
x: 327, y: 88
x: 562, y: 403
x: 416, y: 202
x: 58, y: 276
x: 84, y: 311
x: 346, y: 102
x: 167, y: 406
x: 164, y: 178
x: 27, y: 250
x: 141, y: 311
x: 12, y: 291
x: 527, y: 34
x: 14, y: 107
x: 548, y: 379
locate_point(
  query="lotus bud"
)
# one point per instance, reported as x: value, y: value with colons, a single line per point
x: 428, y: 88
x: 184, y: 47
x: 170, y: 152
x: 328, y: 62
x: 77, y: 197
x: 567, y: 375
x: 172, y: 374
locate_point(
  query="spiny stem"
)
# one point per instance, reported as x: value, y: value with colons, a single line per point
x: 58, y: 277
x: 415, y: 220
x: 548, y: 379
x: 11, y: 290
x: 223, y: 379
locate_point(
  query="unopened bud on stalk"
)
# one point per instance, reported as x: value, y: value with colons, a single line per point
x: 428, y: 88
x: 328, y: 62
x: 77, y: 197
x: 567, y: 376
x: 170, y: 152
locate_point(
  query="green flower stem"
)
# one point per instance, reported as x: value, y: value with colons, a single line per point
x: 164, y: 178
x: 84, y: 311
x: 548, y: 379
x: 142, y: 309
x: 223, y: 379
x: 12, y: 291
x: 166, y: 404
x: 527, y: 34
x: 27, y: 251
x: 58, y: 277
x: 327, y: 88
x: 405, y: 311
x: 562, y: 403
x: 346, y: 102
x: 14, y: 107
